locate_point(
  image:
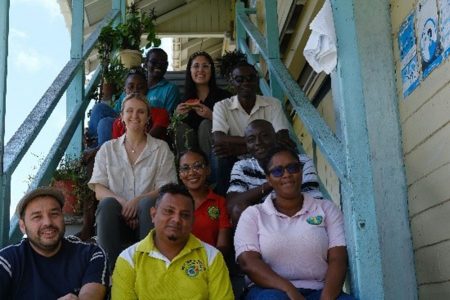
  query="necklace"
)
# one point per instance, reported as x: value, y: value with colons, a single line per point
x: 133, y: 150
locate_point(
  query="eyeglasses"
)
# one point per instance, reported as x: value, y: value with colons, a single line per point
x: 240, y: 79
x: 292, y: 168
x: 196, y: 167
x: 203, y: 66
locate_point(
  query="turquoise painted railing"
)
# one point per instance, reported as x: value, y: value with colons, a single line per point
x: 380, y: 255
x: 18, y: 145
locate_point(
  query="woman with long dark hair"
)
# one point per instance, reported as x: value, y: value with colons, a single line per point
x: 201, y: 93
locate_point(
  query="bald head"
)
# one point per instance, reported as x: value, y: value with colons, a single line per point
x: 259, y: 137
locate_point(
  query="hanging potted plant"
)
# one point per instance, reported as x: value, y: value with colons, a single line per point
x: 112, y: 79
x: 129, y: 35
x: 106, y: 46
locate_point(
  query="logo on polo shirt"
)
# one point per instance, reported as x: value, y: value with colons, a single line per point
x: 317, y: 220
x: 193, y: 267
x: 213, y: 212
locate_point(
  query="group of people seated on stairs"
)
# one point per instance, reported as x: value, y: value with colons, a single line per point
x: 167, y: 225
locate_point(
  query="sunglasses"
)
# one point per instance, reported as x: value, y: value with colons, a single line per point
x: 196, y: 167
x: 240, y: 79
x: 292, y: 168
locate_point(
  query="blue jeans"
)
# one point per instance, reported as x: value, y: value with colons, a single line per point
x: 100, y: 123
x: 259, y: 293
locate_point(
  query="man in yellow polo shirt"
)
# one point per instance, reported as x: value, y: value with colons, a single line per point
x: 170, y: 263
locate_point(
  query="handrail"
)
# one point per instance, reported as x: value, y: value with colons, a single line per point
x: 325, y: 139
x: 51, y: 161
x: 22, y: 139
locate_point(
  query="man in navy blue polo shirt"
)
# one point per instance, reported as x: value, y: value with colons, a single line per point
x: 45, y: 265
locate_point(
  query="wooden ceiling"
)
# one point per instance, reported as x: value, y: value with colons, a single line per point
x: 193, y: 24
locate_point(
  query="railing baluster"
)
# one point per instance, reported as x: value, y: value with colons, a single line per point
x: 22, y: 139
x: 5, y: 179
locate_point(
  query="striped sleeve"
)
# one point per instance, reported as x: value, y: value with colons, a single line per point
x: 237, y: 182
x: 5, y: 278
x: 310, y: 181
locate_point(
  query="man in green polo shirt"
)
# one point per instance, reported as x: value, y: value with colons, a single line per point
x: 170, y: 263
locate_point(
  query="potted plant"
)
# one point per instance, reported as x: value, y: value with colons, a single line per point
x: 129, y: 35
x: 112, y: 79
x: 112, y: 70
x: 71, y: 178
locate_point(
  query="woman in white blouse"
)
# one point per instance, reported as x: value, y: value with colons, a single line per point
x: 128, y: 173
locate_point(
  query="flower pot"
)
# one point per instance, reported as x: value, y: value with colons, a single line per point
x: 130, y: 58
x: 71, y: 202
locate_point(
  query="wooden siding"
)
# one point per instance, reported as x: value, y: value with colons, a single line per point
x: 324, y: 170
x: 425, y: 119
x: 205, y: 16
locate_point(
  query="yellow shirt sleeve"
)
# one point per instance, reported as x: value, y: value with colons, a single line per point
x: 219, y: 280
x: 123, y: 281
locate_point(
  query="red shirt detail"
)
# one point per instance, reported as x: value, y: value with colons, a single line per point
x: 160, y: 118
x: 210, y: 217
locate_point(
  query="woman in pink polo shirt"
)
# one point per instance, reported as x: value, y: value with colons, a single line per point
x: 211, y: 220
x: 291, y: 246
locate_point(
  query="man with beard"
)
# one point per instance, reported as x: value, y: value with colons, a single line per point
x: 45, y: 265
x: 248, y: 183
x: 171, y: 263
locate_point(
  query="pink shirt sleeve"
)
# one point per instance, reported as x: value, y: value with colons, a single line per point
x: 246, y: 236
x: 334, y: 223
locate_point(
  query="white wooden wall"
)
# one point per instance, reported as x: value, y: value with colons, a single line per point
x: 425, y: 120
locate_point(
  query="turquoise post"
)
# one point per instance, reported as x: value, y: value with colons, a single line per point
x: 5, y: 179
x: 273, y: 45
x: 121, y: 6
x: 75, y: 92
x: 375, y: 200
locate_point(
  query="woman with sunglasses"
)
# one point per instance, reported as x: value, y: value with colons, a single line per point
x: 201, y: 93
x: 291, y: 246
x: 211, y: 221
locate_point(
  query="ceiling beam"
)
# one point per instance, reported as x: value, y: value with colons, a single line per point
x: 210, y: 50
x: 178, y: 11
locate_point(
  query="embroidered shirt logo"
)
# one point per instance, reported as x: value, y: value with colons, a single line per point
x: 213, y: 212
x: 193, y: 267
x: 317, y: 220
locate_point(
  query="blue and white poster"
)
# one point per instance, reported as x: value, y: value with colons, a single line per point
x: 444, y: 25
x: 428, y: 36
x: 408, y: 55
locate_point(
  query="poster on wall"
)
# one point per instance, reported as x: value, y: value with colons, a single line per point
x: 408, y: 55
x: 444, y: 25
x: 429, y: 41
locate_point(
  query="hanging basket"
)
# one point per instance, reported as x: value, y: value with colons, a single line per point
x: 130, y: 58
